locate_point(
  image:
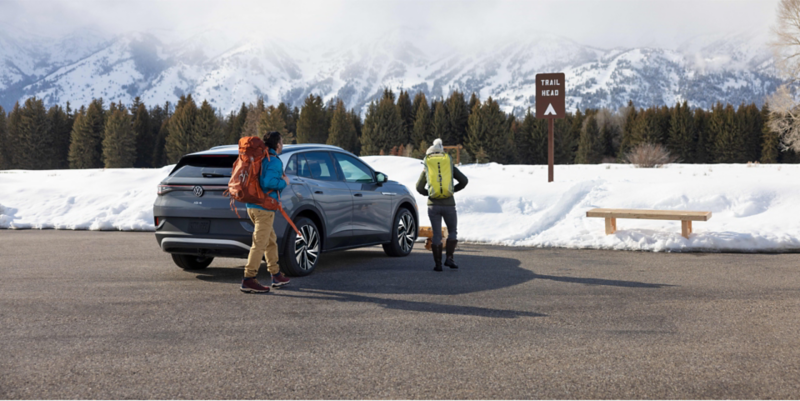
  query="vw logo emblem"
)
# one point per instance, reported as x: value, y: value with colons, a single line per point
x: 198, y: 191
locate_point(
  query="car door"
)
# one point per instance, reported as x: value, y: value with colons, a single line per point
x: 372, y: 205
x: 332, y: 196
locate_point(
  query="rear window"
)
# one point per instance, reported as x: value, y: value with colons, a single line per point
x: 209, y: 166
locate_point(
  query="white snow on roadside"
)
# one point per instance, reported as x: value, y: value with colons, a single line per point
x: 753, y: 208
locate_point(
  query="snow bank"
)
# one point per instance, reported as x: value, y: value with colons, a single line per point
x: 754, y: 208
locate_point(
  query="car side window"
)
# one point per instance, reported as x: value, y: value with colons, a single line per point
x: 353, y: 169
x: 321, y: 166
x: 298, y: 165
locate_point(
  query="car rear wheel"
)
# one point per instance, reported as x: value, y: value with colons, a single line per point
x: 301, y: 254
x: 404, y: 234
x: 191, y: 262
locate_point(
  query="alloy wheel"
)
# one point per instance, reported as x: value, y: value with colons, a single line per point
x: 306, y: 248
x: 406, y: 232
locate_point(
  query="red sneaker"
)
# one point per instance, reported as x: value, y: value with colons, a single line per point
x: 251, y: 285
x: 279, y: 280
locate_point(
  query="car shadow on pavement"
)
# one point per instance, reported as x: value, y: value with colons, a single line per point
x: 401, y: 304
x: 369, y: 271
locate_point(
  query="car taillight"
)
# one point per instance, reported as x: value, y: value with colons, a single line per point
x: 162, y: 189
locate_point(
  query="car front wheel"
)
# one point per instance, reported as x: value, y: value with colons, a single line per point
x: 301, y: 254
x: 404, y: 233
x: 191, y: 262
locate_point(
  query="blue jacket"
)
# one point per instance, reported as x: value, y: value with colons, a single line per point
x: 271, y: 178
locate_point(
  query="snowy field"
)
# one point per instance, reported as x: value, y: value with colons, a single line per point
x: 754, y: 207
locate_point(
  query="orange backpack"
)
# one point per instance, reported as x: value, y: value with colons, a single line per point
x: 244, y: 184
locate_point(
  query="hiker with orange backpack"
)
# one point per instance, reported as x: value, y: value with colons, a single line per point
x: 438, y: 175
x: 272, y: 182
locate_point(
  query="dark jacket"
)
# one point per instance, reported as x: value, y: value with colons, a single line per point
x: 271, y: 178
x: 451, y: 201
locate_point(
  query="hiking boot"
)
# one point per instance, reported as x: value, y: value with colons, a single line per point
x: 279, y: 280
x: 437, y: 257
x: 252, y: 286
x: 450, y: 248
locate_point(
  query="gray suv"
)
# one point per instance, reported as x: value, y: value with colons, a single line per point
x: 335, y: 199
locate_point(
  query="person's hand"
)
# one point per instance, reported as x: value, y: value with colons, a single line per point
x: 286, y: 178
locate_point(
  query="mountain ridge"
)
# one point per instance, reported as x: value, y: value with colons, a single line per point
x: 227, y: 71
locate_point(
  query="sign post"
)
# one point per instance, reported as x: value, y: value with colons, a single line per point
x: 550, y: 89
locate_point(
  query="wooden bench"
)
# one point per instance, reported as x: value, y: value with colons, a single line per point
x: 686, y: 217
x: 425, y: 231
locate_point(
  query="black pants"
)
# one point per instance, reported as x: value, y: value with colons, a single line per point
x: 436, y: 213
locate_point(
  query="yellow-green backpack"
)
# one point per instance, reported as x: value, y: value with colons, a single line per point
x: 439, y: 172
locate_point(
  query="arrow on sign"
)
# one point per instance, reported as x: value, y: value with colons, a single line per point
x: 550, y: 110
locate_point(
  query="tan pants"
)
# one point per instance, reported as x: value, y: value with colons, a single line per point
x: 265, y: 242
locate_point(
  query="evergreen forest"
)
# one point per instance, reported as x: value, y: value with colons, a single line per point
x: 145, y: 136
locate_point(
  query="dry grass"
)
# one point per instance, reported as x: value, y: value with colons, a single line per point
x: 649, y: 155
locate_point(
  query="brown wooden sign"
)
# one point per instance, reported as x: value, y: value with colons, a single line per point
x: 550, y: 90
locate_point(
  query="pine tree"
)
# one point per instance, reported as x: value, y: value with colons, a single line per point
x: 369, y: 144
x: 60, y: 129
x: 419, y: 100
x: 342, y: 132
x: 312, y: 124
x: 4, y: 162
x: 589, y: 145
x: 422, y: 123
x: 291, y: 123
x: 182, y: 137
x: 235, y: 125
x: 628, y: 141
x: 473, y: 100
x: 458, y: 116
x: 532, y: 144
x: 119, y: 143
x: 488, y: 133
x: 750, y: 124
x: 702, y: 153
x: 160, y: 153
x: 272, y: 120
x: 728, y: 142
x: 159, y: 118
x: 250, y: 127
x: 441, y: 123
x: 407, y: 115
x: 357, y: 125
x: 566, y: 134
x: 682, y: 140
x: 771, y: 141
x: 145, y: 140
x: 34, y: 142
x: 385, y: 127
x: 12, y: 136
x: 86, y: 142
x: 208, y: 128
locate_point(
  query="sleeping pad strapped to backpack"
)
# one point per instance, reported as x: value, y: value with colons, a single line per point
x: 439, y: 172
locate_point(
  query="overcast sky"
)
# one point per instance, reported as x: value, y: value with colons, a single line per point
x: 600, y: 23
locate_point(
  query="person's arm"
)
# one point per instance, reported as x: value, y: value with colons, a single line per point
x: 421, y: 184
x: 272, y: 178
x: 461, y: 178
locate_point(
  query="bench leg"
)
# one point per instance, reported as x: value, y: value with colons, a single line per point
x: 611, y: 225
x: 686, y: 228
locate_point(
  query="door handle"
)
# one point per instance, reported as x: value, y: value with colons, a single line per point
x: 318, y: 192
x: 359, y: 195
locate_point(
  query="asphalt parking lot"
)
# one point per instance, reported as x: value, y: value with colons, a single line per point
x: 107, y: 315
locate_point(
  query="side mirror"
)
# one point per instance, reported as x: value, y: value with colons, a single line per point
x: 381, y: 178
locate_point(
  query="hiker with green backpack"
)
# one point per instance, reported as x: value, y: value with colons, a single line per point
x: 438, y: 176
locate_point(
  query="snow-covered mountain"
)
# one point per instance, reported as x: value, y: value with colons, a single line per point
x: 228, y: 71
